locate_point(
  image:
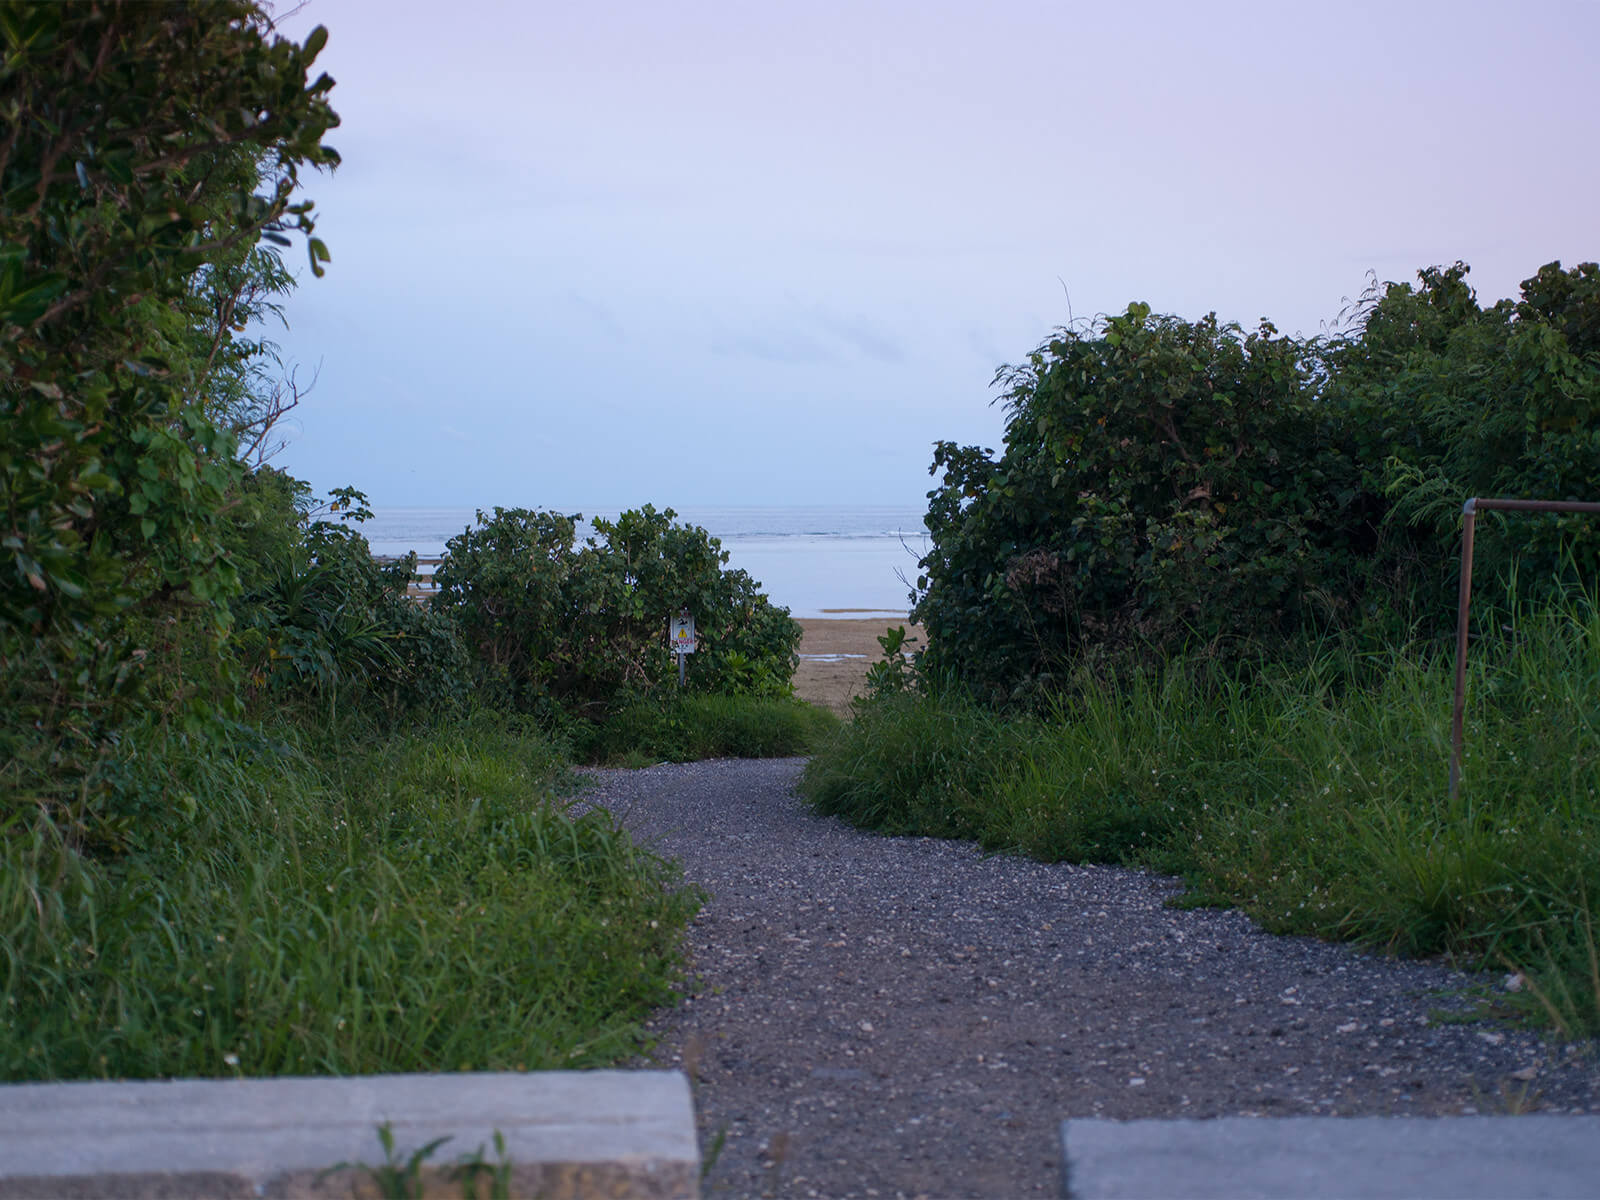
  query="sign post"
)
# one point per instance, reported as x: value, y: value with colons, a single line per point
x: 680, y: 636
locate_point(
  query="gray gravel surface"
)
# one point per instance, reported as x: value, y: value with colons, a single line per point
x: 908, y: 1017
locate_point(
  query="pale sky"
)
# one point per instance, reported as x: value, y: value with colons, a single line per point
x: 697, y: 253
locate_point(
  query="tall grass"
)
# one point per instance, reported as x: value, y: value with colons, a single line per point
x: 1316, y: 800
x: 421, y: 902
x: 692, y: 727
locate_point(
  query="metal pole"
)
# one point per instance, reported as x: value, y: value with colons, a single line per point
x: 1469, y: 512
x: 1469, y: 519
x: 1556, y: 506
x: 681, y: 657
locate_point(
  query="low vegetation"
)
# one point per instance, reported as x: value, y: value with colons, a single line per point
x: 1313, y: 796
x: 261, y: 813
x: 340, y: 903
x: 691, y: 727
x: 553, y: 624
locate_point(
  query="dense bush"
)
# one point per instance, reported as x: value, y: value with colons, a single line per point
x: 1445, y: 399
x: 553, y: 623
x: 1163, y: 481
x: 319, y: 615
x: 1169, y: 484
x: 226, y: 844
x: 149, y: 150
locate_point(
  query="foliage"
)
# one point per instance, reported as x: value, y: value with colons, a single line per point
x: 146, y: 146
x: 320, y: 615
x: 506, y: 584
x: 1163, y: 482
x: 182, y: 892
x: 669, y: 727
x: 895, y: 671
x: 910, y: 764
x: 550, y: 622
x: 1311, y: 797
x: 334, y: 905
x: 1168, y: 484
x: 1447, y: 400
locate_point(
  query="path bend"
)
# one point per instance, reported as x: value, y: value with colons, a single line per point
x: 908, y: 1017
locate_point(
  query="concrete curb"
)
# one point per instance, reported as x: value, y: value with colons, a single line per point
x: 569, y: 1135
x: 1359, y: 1158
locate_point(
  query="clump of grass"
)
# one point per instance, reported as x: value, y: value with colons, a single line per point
x: 1563, y: 975
x: 1313, y: 798
x: 692, y: 727
x: 418, y: 903
x: 907, y: 765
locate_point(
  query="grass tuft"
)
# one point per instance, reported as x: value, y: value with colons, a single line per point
x: 693, y: 727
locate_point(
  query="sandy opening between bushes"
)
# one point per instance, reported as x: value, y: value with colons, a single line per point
x: 835, y: 654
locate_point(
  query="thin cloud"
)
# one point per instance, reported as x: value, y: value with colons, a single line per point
x: 861, y: 335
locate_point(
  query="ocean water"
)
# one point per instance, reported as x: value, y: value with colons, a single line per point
x: 811, y: 559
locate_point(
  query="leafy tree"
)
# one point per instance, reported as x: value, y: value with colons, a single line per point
x: 147, y: 149
x: 550, y: 622
x: 507, y: 585
x: 1163, y: 482
x: 1168, y: 484
x: 1448, y: 400
x: 649, y: 568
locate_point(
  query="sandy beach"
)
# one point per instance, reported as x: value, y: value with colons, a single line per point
x: 835, y: 654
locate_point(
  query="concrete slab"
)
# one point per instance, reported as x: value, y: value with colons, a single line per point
x: 569, y: 1134
x: 1359, y: 1158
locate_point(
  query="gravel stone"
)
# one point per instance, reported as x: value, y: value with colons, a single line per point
x: 909, y: 1017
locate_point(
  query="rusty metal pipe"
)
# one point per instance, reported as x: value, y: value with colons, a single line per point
x: 1469, y: 520
x: 1556, y: 506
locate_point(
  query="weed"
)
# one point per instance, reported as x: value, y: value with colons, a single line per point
x: 1564, y: 976
x: 471, y: 1168
x: 708, y: 1161
x: 395, y: 1178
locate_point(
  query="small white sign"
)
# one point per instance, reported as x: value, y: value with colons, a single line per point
x: 680, y: 635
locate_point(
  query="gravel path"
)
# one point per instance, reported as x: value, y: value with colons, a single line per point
x: 906, y: 1017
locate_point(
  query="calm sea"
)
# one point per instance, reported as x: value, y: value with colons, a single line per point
x: 810, y: 559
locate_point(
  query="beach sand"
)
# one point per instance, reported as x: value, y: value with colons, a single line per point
x: 835, y: 655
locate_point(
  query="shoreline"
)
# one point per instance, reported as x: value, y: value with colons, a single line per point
x: 837, y: 651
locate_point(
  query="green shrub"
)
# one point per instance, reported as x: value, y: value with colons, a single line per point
x: 1168, y: 486
x: 149, y: 147
x: 1447, y: 399
x: 554, y: 625
x: 914, y: 764
x: 1164, y: 482
x: 320, y: 616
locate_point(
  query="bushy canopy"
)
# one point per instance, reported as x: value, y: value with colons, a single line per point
x: 148, y: 150
x: 552, y: 621
x: 1169, y: 483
